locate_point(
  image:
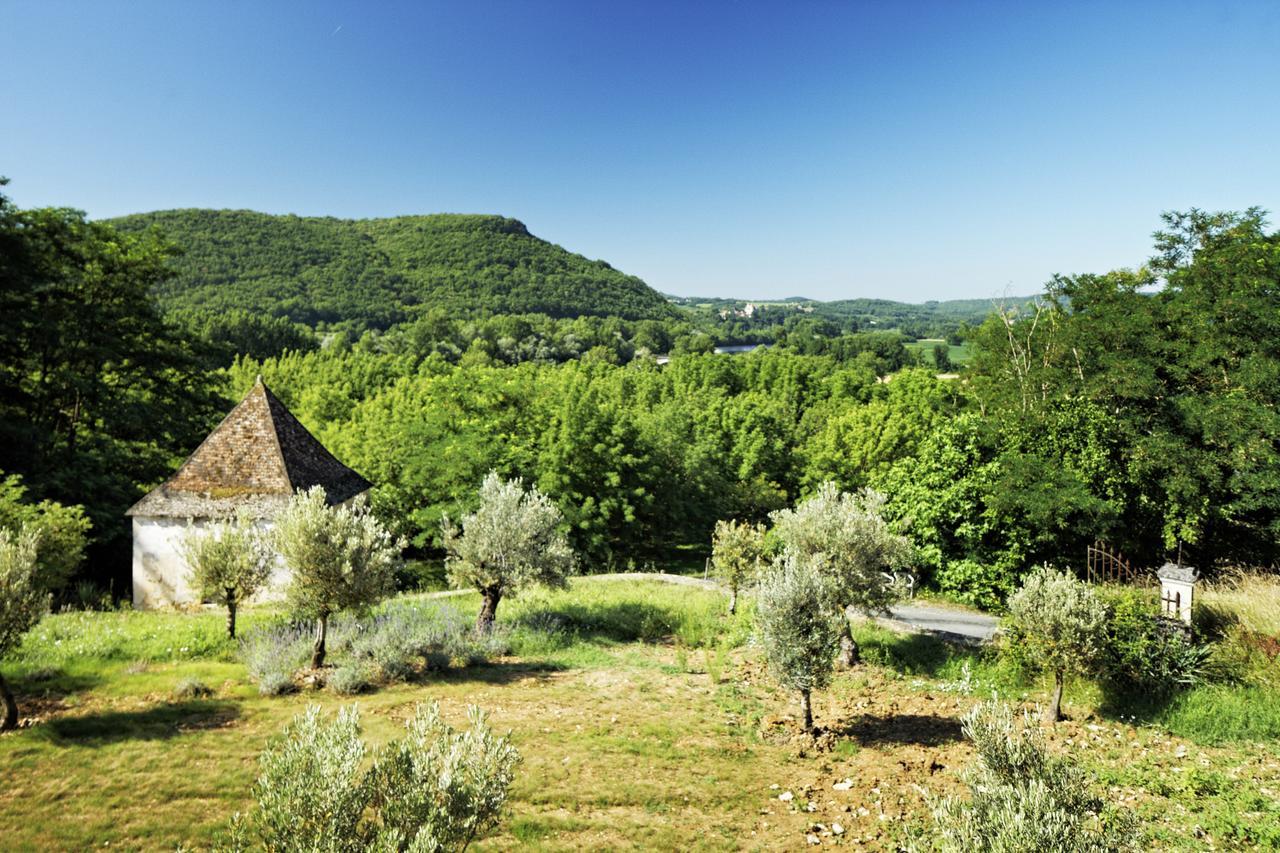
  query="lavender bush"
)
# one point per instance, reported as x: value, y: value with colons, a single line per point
x: 394, y: 644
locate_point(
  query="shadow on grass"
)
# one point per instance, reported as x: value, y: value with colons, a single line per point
x: 919, y: 729
x: 1120, y: 702
x: 912, y: 654
x: 502, y: 672
x: 53, y: 683
x: 159, y: 722
x: 620, y: 621
x: 1208, y: 714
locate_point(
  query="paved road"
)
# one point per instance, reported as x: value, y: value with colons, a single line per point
x: 963, y: 624
x: 947, y: 622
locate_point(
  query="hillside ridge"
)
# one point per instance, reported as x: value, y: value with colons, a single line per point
x: 373, y: 273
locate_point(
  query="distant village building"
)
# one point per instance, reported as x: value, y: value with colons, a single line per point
x: 256, y: 459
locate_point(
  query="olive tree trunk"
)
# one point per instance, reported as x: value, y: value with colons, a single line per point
x: 489, y: 599
x: 806, y: 710
x: 848, y: 647
x: 10, y: 720
x: 322, y: 632
x: 733, y: 600
x: 1054, y: 712
x: 231, y: 614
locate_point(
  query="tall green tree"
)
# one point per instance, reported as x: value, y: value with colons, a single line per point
x: 595, y: 463
x: 1181, y: 360
x: 97, y: 395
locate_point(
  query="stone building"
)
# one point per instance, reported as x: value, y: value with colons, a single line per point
x: 256, y: 459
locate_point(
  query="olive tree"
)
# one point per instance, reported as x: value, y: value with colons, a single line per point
x: 736, y: 551
x: 339, y: 558
x: 1059, y: 624
x: 798, y: 627
x: 23, y: 601
x: 228, y: 563
x: 435, y: 789
x: 511, y: 541
x: 856, y: 546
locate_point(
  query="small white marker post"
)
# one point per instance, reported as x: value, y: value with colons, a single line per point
x: 1177, y: 586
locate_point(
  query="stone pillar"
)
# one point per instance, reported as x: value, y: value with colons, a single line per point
x: 1177, y: 586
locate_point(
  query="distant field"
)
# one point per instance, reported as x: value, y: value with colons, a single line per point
x: 958, y: 354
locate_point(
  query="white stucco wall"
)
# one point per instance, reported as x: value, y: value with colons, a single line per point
x: 1170, y: 588
x: 160, y: 572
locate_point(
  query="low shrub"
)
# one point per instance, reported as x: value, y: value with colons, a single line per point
x: 433, y: 789
x: 273, y: 653
x: 191, y: 688
x: 474, y: 648
x: 276, y: 683
x: 348, y: 679
x: 1144, y: 654
x: 396, y: 643
x: 1021, y: 798
x: 403, y: 637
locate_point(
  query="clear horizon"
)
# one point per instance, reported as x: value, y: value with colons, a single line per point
x: 744, y: 150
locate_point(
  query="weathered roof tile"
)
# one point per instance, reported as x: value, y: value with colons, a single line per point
x: 258, y: 456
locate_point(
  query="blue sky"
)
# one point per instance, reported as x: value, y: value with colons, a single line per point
x: 832, y: 150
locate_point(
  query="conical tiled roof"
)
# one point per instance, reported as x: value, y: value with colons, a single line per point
x: 257, y: 458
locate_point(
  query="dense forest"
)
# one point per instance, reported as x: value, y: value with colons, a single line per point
x: 1136, y: 406
x: 373, y: 273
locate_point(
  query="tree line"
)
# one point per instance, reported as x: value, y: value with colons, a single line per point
x: 1137, y: 406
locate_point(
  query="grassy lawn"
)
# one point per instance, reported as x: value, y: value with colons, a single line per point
x: 643, y: 714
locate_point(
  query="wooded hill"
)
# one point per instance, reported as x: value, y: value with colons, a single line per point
x: 922, y: 319
x: 373, y: 273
